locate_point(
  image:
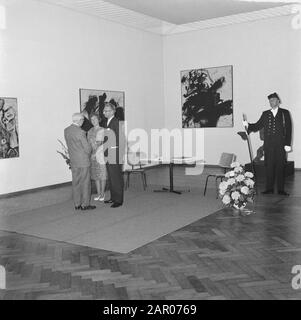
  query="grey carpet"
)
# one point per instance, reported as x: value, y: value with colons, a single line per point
x: 144, y: 217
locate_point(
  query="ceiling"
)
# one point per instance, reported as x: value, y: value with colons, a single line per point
x: 174, y: 16
x: 186, y: 11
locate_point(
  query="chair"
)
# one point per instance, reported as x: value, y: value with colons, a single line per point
x: 134, y: 160
x: 225, y: 164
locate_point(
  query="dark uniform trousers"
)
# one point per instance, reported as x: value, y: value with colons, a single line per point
x: 275, y: 159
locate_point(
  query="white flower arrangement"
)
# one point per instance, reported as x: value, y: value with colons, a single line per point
x: 238, y: 187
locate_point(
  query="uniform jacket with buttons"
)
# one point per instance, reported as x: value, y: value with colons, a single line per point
x: 278, y: 128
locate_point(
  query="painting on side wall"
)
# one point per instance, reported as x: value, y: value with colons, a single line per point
x: 9, y: 133
x: 207, y: 97
x: 92, y: 101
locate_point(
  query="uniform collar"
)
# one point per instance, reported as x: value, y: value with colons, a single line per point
x: 275, y: 111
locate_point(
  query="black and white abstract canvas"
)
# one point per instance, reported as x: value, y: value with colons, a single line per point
x: 9, y: 132
x: 207, y: 97
x: 92, y: 101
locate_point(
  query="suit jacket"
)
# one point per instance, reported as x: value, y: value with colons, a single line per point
x: 114, y: 144
x: 283, y: 126
x: 78, y: 147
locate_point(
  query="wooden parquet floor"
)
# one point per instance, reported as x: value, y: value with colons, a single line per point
x: 222, y: 256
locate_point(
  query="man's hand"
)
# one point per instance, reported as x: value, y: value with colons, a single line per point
x: 245, y: 123
x: 288, y: 148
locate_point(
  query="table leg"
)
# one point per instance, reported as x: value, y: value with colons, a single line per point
x: 171, y: 189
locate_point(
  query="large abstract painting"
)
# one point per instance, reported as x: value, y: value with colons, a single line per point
x: 9, y: 133
x: 207, y: 97
x: 92, y: 101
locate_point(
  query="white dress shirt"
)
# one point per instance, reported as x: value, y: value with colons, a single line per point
x: 109, y: 120
x: 274, y: 111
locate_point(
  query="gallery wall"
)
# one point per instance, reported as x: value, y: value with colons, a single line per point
x: 47, y: 53
x: 265, y: 56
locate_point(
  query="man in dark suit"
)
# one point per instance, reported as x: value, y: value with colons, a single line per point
x: 277, y: 126
x: 113, y: 156
x: 79, y: 152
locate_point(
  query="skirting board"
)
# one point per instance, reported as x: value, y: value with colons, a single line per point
x: 54, y: 186
x: 19, y: 193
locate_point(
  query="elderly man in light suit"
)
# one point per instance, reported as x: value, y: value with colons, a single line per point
x: 79, y: 152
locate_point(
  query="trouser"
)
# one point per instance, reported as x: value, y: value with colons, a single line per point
x: 275, y: 159
x: 116, y: 184
x: 81, y: 186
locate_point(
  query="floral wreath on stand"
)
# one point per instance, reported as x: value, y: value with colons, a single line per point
x: 238, y: 187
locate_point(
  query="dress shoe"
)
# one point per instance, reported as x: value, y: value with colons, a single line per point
x: 116, y: 205
x: 267, y: 192
x: 109, y: 201
x: 283, y: 193
x: 78, y: 207
x: 88, y: 207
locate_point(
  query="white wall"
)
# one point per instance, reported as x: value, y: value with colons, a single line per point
x: 46, y: 54
x: 265, y: 56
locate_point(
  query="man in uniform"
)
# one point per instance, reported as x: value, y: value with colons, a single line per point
x: 277, y: 126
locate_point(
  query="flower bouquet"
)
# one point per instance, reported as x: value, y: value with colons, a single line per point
x: 238, y: 187
x: 65, y: 153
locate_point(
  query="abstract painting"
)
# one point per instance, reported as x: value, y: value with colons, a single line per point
x: 207, y: 97
x: 92, y: 101
x: 9, y: 133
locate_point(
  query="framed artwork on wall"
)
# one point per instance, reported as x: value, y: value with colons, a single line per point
x: 9, y: 132
x: 207, y: 97
x: 92, y: 101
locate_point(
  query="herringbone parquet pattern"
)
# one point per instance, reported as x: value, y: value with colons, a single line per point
x: 223, y: 256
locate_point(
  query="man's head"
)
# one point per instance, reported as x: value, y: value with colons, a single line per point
x: 109, y: 110
x: 274, y: 100
x: 78, y: 119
